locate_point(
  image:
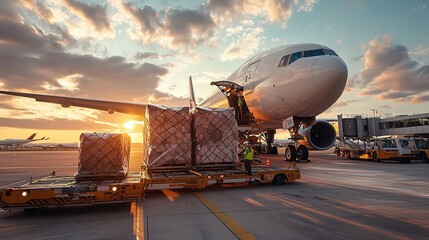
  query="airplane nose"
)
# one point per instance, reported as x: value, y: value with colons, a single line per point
x: 330, y: 73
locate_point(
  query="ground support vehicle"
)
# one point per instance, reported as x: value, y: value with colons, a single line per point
x: 65, y: 191
x: 421, y: 152
x: 396, y: 149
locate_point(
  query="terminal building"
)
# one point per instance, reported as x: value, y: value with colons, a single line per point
x: 360, y: 127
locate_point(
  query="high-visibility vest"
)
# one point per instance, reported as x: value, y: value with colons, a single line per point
x: 248, y: 153
x: 240, y: 102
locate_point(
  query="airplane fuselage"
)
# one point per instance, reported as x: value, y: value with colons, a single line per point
x: 276, y: 87
x: 10, y: 142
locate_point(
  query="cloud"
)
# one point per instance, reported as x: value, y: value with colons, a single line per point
x: 95, y: 14
x: 306, y: 5
x: 51, y: 124
x: 14, y: 34
x: 32, y: 60
x: 188, y: 26
x: 340, y: 104
x: 245, y: 46
x: 390, y: 73
x: 146, y: 55
x: 352, y: 81
x: 385, y: 106
x: 172, y: 28
x: 226, y: 11
x: 145, y: 21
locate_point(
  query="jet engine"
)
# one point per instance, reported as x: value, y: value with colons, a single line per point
x: 320, y: 136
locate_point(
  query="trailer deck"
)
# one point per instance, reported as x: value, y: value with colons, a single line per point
x: 64, y: 191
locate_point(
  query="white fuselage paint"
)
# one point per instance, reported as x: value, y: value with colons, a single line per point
x: 14, y: 141
x: 305, y: 88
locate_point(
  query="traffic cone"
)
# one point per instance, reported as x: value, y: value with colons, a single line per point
x: 268, y: 163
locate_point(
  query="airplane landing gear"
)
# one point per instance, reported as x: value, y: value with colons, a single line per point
x: 296, y: 151
x: 302, y: 153
x: 268, y: 137
x: 292, y: 153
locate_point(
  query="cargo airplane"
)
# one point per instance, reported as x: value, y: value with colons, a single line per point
x: 285, y: 87
x: 12, y: 142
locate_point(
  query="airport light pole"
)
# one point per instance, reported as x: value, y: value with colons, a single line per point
x: 374, y: 112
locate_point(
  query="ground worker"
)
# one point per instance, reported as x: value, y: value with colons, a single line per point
x: 240, y: 107
x: 337, y: 151
x: 248, y: 157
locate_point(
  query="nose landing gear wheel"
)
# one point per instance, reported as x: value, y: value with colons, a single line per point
x: 302, y: 153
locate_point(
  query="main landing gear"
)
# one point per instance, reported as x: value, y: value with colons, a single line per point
x: 268, y: 137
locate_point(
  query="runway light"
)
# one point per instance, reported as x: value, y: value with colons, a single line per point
x: 24, y: 193
x: 114, y: 188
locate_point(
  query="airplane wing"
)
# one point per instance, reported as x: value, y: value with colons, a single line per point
x: 109, y: 106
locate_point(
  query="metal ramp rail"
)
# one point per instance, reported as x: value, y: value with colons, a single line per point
x: 349, y: 142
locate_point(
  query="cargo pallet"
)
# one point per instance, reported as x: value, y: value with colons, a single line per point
x: 64, y: 191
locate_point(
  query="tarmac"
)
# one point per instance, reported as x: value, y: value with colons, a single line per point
x: 334, y: 199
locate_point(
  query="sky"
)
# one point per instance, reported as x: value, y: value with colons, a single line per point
x: 144, y: 52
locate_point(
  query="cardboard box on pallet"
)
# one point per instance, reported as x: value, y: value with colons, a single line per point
x: 217, y: 136
x: 103, y: 155
x: 167, y: 137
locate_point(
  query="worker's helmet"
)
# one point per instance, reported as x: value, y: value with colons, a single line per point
x: 246, y: 143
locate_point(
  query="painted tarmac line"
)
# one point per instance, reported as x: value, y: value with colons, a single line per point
x: 232, y: 225
x: 138, y: 220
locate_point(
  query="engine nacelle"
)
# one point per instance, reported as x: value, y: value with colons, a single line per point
x: 320, y: 136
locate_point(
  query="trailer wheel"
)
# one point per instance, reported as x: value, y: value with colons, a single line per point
x: 290, y: 153
x: 274, y: 150
x: 348, y: 155
x: 31, y: 210
x: 279, y: 179
x: 424, y: 157
x: 375, y: 157
x: 405, y: 160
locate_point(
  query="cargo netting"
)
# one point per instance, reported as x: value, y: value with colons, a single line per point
x: 103, y: 155
x: 167, y: 137
x: 216, y: 134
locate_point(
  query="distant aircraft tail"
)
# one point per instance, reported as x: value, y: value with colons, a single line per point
x: 31, y: 137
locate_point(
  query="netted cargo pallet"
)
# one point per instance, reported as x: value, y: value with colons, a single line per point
x: 216, y: 133
x: 167, y: 138
x: 103, y: 156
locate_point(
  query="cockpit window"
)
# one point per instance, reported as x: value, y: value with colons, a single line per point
x: 289, y: 59
x: 313, y: 53
x: 284, y: 61
x: 330, y: 52
x: 295, y: 57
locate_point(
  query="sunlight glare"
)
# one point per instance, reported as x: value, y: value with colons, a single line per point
x: 129, y: 125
